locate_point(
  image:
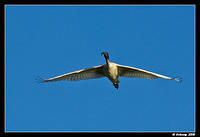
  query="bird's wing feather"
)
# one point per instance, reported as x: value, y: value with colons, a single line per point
x: 126, y: 71
x: 83, y: 74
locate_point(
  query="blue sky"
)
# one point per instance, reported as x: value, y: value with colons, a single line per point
x: 47, y: 41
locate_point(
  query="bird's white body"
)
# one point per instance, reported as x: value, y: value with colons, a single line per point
x: 110, y: 70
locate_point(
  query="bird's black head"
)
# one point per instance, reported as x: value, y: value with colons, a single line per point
x: 105, y: 54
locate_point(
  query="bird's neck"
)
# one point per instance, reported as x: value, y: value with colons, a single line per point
x: 107, y: 60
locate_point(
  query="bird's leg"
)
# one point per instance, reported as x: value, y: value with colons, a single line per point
x: 116, y: 85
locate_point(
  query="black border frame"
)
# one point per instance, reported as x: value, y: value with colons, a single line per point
x: 79, y: 2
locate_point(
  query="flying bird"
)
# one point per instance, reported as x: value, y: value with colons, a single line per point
x: 110, y: 70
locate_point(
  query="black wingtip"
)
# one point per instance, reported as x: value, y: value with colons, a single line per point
x: 40, y: 80
x: 178, y: 79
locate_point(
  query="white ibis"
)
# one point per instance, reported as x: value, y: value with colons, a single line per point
x: 110, y: 70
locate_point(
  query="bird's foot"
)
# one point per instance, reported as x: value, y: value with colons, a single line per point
x: 116, y: 85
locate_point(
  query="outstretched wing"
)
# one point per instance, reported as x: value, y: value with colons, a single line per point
x: 83, y: 74
x: 126, y: 71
